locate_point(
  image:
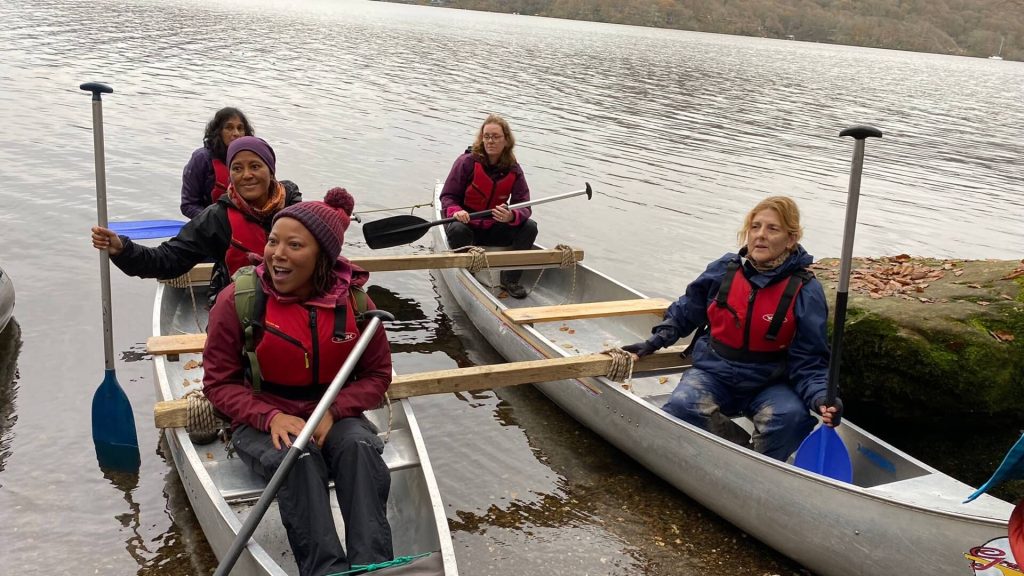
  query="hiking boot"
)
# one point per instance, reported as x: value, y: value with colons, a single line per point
x: 515, y: 290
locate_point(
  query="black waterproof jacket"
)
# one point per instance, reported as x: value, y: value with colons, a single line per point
x: 203, y: 238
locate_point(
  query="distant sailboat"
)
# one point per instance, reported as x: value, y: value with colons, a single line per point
x: 999, y: 55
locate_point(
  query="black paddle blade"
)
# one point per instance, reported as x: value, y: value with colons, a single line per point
x: 395, y: 231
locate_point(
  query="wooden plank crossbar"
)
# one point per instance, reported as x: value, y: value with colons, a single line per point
x: 587, y: 310
x: 201, y: 273
x: 176, y: 344
x: 173, y: 413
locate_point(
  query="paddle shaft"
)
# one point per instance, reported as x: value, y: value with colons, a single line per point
x: 859, y: 133
x: 299, y: 445
x: 554, y: 198
x: 101, y: 213
x: 487, y: 213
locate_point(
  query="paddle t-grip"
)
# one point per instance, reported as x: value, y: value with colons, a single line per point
x: 97, y: 89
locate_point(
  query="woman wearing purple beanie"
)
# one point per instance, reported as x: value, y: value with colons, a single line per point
x: 309, y: 325
x: 226, y: 232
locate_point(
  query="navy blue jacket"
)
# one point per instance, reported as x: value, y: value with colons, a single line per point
x: 806, y: 365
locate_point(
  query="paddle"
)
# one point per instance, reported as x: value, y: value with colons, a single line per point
x: 144, y: 229
x: 823, y: 450
x: 299, y: 445
x: 1011, y: 468
x: 406, y: 228
x: 113, y: 424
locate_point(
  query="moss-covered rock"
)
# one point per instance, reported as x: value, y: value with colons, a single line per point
x: 928, y: 336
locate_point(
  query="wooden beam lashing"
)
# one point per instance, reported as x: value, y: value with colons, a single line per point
x: 497, y: 259
x: 587, y: 310
x: 201, y: 273
x: 173, y: 413
x: 176, y: 344
x: 198, y: 275
x: 516, y: 373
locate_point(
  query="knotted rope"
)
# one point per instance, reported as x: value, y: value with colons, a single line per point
x: 202, y: 422
x: 621, y: 369
x: 479, y: 261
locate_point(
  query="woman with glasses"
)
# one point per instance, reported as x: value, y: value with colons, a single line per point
x: 488, y: 177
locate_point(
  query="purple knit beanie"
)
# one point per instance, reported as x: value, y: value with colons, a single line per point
x: 255, y: 145
x: 326, y: 221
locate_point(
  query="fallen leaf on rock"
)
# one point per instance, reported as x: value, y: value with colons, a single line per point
x: 564, y: 328
x: 1016, y: 273
x: 192, y: 364
x: 1001, y: 335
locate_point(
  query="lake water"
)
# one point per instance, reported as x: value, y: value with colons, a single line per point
x: 679, y: 133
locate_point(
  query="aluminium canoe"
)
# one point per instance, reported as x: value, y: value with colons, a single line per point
x: 899, y: 516
x: 222, y: 490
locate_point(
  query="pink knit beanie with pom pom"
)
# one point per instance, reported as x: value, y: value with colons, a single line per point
x: 326, y: 221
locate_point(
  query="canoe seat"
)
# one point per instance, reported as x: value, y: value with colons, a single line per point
x: 175, y: 344
x: 238, y: 483
x: 587, y: 310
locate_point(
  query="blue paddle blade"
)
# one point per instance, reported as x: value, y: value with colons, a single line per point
x: 113, y: 427
x: 1012, y: 468
x: 143, y: 229
x: 823, y: 452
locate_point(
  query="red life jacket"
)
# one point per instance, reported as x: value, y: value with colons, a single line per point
x: 293, y: 362
x: 246, y: 236
x: 751, y: 324
x: 483, y: 193
x: 221, y: 179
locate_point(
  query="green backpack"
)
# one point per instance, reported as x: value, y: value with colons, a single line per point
x: 251, y: 305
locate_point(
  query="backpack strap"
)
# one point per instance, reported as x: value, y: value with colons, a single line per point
x: 360, y: 299
x: 795, y: 282
x: 251, y: 306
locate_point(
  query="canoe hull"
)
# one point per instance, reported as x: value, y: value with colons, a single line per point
x: 6, y: 299
x: 903, y: 518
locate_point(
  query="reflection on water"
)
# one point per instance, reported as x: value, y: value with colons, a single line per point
x: 413, y: 332
x: 182, y: 549
x: 10, y: 345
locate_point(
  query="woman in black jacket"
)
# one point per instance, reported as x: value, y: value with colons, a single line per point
x: 225, y: 232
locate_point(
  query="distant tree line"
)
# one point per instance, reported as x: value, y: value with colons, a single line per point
x: 961, y: 27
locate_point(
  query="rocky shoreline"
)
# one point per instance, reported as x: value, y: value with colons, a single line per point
x: 932, y: 337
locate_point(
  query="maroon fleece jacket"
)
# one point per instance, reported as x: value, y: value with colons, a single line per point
x: 224, y: 380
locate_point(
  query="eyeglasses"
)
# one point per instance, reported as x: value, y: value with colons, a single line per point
x: 492, y: 137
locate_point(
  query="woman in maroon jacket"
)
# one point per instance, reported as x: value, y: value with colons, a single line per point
x: 488, y: 177
x: 304, y: 335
